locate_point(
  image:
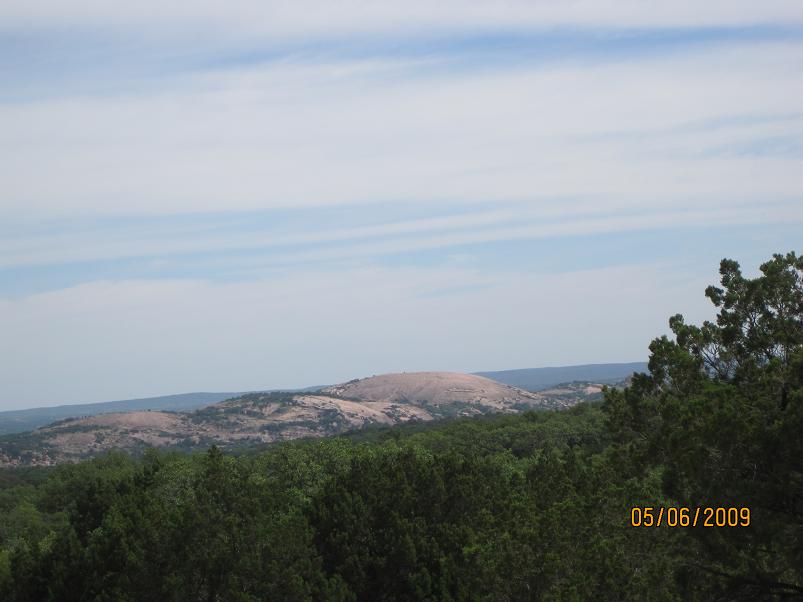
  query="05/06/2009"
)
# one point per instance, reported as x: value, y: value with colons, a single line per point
x: 648, y: 516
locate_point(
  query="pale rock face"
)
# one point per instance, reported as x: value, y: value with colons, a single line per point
x: 434, y: 388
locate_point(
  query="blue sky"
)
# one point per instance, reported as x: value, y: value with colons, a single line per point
x: 262, y: 194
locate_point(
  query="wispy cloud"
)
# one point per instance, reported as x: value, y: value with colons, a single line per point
x: 291, y: 134
x: 304, y: 17
x: 317, y: 243
x: 163, y: 166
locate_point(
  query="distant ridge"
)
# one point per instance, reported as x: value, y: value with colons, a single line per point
x: 529, y: 379
x: 537, y: 379
x: 18, y: 421
x: 267, y: 417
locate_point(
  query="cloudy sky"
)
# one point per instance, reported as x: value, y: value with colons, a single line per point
x: 260, y: 194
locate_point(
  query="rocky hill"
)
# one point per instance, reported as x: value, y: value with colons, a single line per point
x: 274, y: 416
x: 434, y: 389
x: 19, y: 421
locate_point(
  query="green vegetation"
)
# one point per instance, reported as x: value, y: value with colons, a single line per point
x: 525, y: 507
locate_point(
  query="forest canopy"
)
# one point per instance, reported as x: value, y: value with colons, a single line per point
x: 508, y: 507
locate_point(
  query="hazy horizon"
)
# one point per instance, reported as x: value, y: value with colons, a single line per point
x: 278, y: 195
x: 272, y: 388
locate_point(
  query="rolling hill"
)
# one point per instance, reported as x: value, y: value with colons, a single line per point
x: 17, y: 421
x: 266, y: 417
x: 530, y: 379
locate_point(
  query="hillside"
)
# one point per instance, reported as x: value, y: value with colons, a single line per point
x: 530, y: 379
x: 433, y: 388
x: 18, y: 421
x: 257, y: 418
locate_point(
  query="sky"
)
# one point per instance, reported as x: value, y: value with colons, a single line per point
x: 246, y: 195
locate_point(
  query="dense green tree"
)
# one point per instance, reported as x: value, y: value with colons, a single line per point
x: 504, y: 508
x: 720, y: 415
